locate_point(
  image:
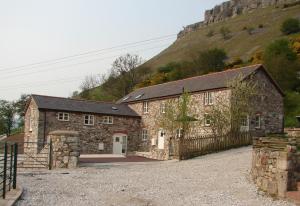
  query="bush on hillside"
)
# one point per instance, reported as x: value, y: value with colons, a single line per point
x: 211, y: 60
x: 210, y: 33
x: 225, y: 32
x: 290, y: 26
x: 292, y: 108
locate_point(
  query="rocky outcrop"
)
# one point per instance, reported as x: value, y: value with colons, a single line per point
x: 231, y: 9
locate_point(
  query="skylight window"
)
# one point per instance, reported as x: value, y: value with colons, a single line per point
x: 139, y: 96
x: 115, y: 108
x: 126, y: 98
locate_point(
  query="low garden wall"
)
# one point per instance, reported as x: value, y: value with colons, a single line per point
x: 274, y: 165
x: 64, y: 149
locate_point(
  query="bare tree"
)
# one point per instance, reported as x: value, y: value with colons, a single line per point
x: 125, y: 67
x: 90, y: 82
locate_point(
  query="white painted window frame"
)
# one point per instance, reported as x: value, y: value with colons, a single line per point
x: 90, y: 120
x: 208, y: 98
x: 163, y: 108
x: 258, y: 126
x: 206, y: 118
x: 145, y: 135
x: 145, y: 107
x: 108, y: 120
x: 65, y: 116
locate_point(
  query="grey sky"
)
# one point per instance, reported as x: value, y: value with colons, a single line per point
x: 39, y: 30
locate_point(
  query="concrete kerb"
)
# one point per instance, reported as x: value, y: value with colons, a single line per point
x: 12, y: 197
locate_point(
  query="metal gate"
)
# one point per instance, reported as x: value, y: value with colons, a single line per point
x: 8, y: 167
x: 34, y: 155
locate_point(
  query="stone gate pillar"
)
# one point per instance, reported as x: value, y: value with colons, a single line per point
x: 65, y: 149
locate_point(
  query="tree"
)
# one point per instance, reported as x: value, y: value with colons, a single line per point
x: 290, y: 26
x: 281, y: 61
x: 90, y: 82
x: 180, y: 114
x: 228, y: 111
x: 212, y: 60
x: 7, y: 115
x: 20, y: 105
x: 125, y: 68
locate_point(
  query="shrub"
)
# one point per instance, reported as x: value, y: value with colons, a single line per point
x: 225, y: 32
x: 250, y: 30
x: 290, y: 26
x: 211, y: 60
x: 210, y: 33
x: 260, y: 26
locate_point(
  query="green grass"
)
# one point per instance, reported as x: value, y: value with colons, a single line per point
x: 242, y: 44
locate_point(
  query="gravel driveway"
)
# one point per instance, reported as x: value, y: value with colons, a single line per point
x: 216, y: 179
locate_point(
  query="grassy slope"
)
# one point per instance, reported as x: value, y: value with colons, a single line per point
x: 240, y: 45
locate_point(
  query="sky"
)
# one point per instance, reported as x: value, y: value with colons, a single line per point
x: 47, y: 47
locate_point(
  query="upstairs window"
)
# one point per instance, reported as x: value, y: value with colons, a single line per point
x: 258, y: 121
x: 145, y: 108
x: 88, y: 119
x: 144, y: 135
x: 61, y: 116
x: 163, y: 108
x: 208, y: 100
x: 108, y: 120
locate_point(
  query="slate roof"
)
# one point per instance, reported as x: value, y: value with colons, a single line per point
x: 82, y: 106
x: 194, y: 84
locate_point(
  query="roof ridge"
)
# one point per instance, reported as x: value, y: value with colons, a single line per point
x: 224, y: 71
x: 82, y: 100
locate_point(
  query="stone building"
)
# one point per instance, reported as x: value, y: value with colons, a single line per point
x: 131, y: 124
x: 149, y: 103
x: 103, y: 127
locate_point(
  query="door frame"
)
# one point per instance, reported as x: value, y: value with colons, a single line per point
x: 123, y: 141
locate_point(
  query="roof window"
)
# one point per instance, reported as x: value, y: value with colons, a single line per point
x: 139, y: 96
x: 115, y: 108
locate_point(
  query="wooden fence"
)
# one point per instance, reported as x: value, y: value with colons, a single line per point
x: 201, y: 145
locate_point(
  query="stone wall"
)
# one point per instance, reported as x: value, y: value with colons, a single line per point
x: 231, y: 9
x: 65, y: 149
x: 274, y: 165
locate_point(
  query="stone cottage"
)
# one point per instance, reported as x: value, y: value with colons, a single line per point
x: 103, y: 127
x: 149, y: 103
x: 130, y: 124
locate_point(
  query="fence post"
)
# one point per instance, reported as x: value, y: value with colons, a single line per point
x: 50, y: 154
x: 15, y: 165
x: 4, y: 170
x: 10, y: 166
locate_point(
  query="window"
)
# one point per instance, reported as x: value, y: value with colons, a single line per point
x: 61, y: 116
x: 89, y: 119
x: 257, y: 121
x: 108, y: 120
x: 179, y: 133
x: 207, y: 120
x: 244, y: 123
x: 144, y: 135
x: 145, y: 107
x: 163, y: 108
x: 208, y: 98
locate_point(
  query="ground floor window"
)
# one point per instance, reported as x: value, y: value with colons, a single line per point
x: 207, y: 120
x: 258, y: 121
x: 144, y: 135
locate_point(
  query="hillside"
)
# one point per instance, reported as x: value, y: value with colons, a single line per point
x: 241, y: 44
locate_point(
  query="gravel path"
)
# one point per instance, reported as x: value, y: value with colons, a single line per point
x: 217, y: 179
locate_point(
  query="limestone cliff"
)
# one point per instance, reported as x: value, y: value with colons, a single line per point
x: 231, y: 9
